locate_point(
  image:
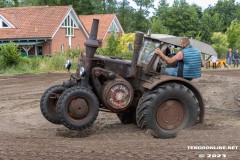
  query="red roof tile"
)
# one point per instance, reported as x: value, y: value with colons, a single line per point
x: 33, y: 22
x: 104, y: 23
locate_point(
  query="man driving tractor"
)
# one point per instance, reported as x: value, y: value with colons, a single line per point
x: 189, y: 61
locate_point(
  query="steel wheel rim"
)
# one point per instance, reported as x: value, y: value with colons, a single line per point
x: 78, y: 108
x: 170, y: 114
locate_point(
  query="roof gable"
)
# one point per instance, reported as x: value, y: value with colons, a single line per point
x: 106, y: 21
x: 76, y: 22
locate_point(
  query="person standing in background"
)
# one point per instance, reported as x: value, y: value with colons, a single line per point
x: 229, y: 56
x: 236, y: 58
x: 214, y: 61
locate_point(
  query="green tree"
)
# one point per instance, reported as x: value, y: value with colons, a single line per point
x: 6, y: 3
x: 2, y: 4
x: 84, y: 7
x: 140, y: 17
x: 220, y: 43
x: 237, y: 13
x: 125, y: 12
x: 40, y: 2
x: 140, y: 23
x: 80, y: 6
x: 233, y: 34
x: 16, y: 3
x: 105, y: 6
x: 210, y: 23
x: 158, y: 27
x: 227, y: 9
x: 112, y: 48
x: 183, y: 19
x: 144, y: 4
x: 162, y: 10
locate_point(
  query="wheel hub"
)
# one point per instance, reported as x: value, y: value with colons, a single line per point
x: 117, y: 95
x: 78, y: 108
x: 170, y: 114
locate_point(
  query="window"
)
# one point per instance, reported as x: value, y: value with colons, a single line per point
x: 147, y: 51
x: 69, y: 26
x: 3, y: 24
x: 62, y: 47
x: 113, y: 27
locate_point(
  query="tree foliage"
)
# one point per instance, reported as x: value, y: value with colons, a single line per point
x: 233, y: 34
x: 112, y: 47
x: 210, y: 23
x: 227, y: 9
x: 220, y: 43
x: 124, y: 10
x: 157, y: 26
x: 162, y: 10
x: 39, y: 2
x: 10, y: 55
x: 181, y: 19
x: 7, y: 3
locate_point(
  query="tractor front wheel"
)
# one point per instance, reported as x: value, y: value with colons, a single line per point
x: 48, y: 103
x: 167, y: 109
x: 78, y: 108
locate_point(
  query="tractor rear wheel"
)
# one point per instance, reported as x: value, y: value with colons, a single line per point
x: 78, y: 108
x: 48, y: 103
x: 167, y: 109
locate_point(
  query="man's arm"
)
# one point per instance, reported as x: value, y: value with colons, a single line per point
x: 166, y: 58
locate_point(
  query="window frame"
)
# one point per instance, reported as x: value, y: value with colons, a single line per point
x: 69, y: 25
x: 3, y: 24
x: 113, y: 27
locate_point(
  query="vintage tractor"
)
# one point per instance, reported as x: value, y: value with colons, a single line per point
x: 136, y: 91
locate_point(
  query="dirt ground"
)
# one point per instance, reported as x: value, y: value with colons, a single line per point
x: 25, y: 134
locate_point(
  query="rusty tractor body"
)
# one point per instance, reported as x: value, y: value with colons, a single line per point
x: 136, y: 91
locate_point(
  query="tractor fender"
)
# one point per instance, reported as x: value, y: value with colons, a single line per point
x: 157, y: 80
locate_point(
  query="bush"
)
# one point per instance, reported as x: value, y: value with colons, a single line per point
x: 29, y: 63
x: 112, y: 47
x: 73, y: 53
x: 118, y: 45
x: 39, y: 63
x: 10, y: 55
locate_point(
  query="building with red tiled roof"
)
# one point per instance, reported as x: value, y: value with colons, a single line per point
x: 42, y: 30
x: 107, y: 24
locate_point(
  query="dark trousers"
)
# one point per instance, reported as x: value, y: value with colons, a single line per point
x: 215, y: 65
x: 236, y: 61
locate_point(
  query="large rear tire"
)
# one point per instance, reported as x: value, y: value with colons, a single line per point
x: 167, y: 109
x: 78, y: 108
x: 48, y: 103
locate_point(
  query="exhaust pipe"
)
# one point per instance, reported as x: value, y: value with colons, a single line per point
x: 92, y: 43
x: 137, y: 46
x: 91, y: 47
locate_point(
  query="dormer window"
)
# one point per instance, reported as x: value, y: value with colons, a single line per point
x: 3, y: 24
x: 69, y: 26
